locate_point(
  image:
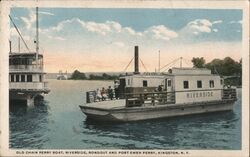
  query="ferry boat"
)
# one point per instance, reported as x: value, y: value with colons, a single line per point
x: 180, y: 91
x: 26, y: 75
x: 62, y: 76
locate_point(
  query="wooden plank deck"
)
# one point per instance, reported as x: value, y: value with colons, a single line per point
x: 107, y: 104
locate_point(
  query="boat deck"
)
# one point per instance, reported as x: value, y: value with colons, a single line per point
x: 107, y: 104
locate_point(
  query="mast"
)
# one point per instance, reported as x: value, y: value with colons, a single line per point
x: 181, y: 62
x: 159, y: 61
x: 37, y: 36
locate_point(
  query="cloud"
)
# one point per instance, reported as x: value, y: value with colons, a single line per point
x: 30, y: 19
x: 200, y: 25
x: 99, y: 28
x: 56, y: 37
x: 215, y: 30
x: 217, y: 22
x: 236, y: 22
x: 13, y: 32
x: 46, y: 13
x: 161, y: 32
x: 113, y: 28
x: 119, y: 44
x: 90, y: 26
x: 105, y: 28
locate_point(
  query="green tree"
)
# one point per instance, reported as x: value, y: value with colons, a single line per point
x: 77, y: 75
x: 215, y: 66
x: 198, y: 62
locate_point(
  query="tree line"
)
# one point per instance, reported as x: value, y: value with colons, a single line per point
x: 77, y: 75
x: 223, y: 67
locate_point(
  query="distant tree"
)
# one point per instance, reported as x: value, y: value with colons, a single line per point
x: 198, y: 62
x: 215, y: 66
x: 227, y: 67
x: 105, y: 76
x: 77, y: 75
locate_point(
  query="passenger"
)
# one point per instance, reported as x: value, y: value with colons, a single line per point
x: 160, y: 95
x: 110, y: 93
x: 159, y: 88
x: 116, y: 90
x: 98, y: 94
x: 103, y: 94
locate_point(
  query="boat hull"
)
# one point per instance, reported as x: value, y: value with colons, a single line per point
x: 29, y: 98
x: 154, y: 112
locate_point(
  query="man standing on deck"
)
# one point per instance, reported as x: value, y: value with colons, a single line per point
x: 110, y: 93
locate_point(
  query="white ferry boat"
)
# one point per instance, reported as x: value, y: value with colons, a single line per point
x: 181, y: 91
x: 62, y: 76
x: 26, y: 75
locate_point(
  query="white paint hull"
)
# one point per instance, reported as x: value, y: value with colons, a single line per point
x: 153, y: 112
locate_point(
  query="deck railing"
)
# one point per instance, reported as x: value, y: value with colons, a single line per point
x: 160, y: 98
x: 25, y: 68
x: 152, y: 98
x: 28, y: 85
x: 229, y: 93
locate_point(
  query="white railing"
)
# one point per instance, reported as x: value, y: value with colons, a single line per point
x: 29, y: 85
x: 30, y: 68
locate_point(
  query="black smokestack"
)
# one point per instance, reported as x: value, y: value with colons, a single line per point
x: 136, y: 60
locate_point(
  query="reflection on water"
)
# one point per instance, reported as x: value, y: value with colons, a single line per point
x: 27, y: 125
x: 168, y: 133
x: 59, y: 124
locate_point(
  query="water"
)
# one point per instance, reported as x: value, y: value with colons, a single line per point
x: 59, y: 124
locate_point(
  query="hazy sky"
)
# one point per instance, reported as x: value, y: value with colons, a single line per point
x: 104, y: 39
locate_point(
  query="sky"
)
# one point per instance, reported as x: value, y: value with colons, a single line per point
x: 103, y: 40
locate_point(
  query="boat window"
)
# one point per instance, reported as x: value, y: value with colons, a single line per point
x: 22, y: 78
x: 128, y: 81
x: 40, y: 78
x: 185, y: 85
x: 199, y: 84
x: 17, y: 78
x: 29, y: 78
x: 169, y: 83
x: 12, y: 78
x: 211, y: 83
x: 145, y: 83
x: 23, y: 61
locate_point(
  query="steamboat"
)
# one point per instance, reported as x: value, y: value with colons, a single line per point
x: 26, y: 73
x: 180, y: 91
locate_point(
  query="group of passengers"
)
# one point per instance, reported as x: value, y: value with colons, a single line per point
x: 104, y: 94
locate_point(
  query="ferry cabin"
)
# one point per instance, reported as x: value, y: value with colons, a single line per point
x: 187, y: 84
x: 26, y: 76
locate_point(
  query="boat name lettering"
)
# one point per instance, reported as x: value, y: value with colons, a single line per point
x: 199, y: 94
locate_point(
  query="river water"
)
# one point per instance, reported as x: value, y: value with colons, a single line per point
x: 58, y: 123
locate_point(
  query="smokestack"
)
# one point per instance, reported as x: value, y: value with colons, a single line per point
x: 136, y: 60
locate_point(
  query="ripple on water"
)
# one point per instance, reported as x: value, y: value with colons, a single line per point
x: 59, y: 124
